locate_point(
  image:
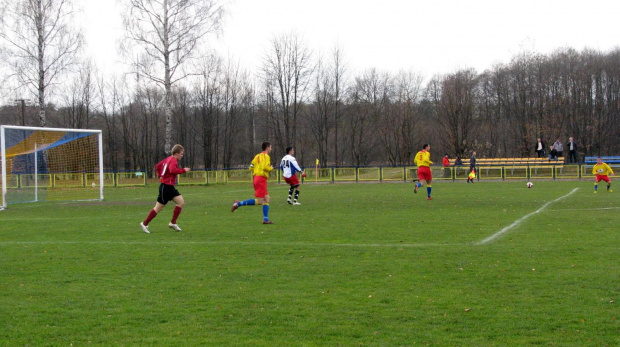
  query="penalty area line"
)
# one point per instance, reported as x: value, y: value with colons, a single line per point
x: 520, y: 220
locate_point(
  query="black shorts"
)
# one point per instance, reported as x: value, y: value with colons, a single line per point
x: 166, y: 193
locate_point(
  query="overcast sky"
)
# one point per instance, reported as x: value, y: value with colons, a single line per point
x: 429, y: 36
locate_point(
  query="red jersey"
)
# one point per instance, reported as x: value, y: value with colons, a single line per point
x: 167, y: 170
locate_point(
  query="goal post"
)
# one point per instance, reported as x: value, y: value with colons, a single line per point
x: 50, y: 164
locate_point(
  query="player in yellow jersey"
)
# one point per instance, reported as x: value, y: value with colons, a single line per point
x: 602, y: 172
x: 423, y: 160
x: 260, y: 167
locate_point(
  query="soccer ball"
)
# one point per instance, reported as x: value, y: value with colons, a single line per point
x: 530, y: 184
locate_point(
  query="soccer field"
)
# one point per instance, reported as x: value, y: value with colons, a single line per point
x: 490, y: 263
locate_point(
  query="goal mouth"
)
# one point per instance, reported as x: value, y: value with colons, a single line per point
x: 50, y: 164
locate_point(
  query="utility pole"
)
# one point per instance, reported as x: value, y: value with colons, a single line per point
x: 23, y: 109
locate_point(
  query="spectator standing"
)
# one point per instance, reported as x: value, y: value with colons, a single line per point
x: 572, y: 150
x: 446, y: 165
x: 540, y: 148
x: 446, y: 160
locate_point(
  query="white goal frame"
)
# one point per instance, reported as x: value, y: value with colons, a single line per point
x: 3, y: 155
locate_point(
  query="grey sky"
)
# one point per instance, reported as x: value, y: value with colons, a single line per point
x: 437, y: 36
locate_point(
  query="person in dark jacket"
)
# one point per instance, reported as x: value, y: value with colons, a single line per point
x: 540, y: 148
x: 571, y: 145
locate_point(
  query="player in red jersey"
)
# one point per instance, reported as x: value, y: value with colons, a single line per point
x: 167, y: 171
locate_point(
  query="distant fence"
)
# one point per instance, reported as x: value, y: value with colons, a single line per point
x: 334, y: 174
x: 53, y: 180
x: 359, y: 174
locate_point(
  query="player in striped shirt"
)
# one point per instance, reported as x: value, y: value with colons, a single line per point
x: 602, y: 172
x: 167, y: 171
x: 423, y: 160
x: 260, y: 167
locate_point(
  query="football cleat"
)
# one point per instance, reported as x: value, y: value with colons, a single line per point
x: 174, y: 227
x: 267, y: 222
x: 297, y: 203
x: 235, y: 206
x: 145, y: 228
x: 415, y: 189
x: 429, y: 198
x: 289, y: 201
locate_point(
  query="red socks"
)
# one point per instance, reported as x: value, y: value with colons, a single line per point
x: 153, y: 214
x: 175, y: 214
x: 150, y: 217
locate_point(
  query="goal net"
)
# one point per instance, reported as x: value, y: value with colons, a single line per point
x: 48, y: 164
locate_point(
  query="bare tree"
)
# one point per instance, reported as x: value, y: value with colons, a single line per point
x: 455, y: 97
x: 403, y: 117
x: 339, y: 71
x: 206, y: 89
x: 287, y: 68
x: 113, y: 98
x: 168, y: 32
x: 42, y: 43
x: 369, y: 100
x: 235, y: 91
x: 320, y: 113
x: 78, y: 98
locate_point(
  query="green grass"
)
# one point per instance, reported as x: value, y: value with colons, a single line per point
x: 355, y: 265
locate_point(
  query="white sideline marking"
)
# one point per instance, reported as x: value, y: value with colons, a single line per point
x: 586, y: 209
x: 518, y: 221
x: 285, y: 244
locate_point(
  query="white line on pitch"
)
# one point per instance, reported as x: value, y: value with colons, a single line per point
x: 246, y: 243
x: 518, y: 221
x: 586, y: 209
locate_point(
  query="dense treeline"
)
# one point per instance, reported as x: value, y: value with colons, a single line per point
x: 222, y: 115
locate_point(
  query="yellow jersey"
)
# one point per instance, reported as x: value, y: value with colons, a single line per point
x: 423, y: 158
x: 602, y: 169
x: 261, y: 165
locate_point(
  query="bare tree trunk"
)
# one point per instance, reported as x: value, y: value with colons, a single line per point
x: 169, y: 32
x: 42, y: 43
x: 288, y: 67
